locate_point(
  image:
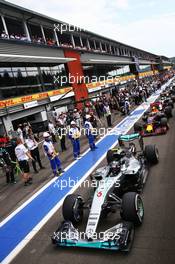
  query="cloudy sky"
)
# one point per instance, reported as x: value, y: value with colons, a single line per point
x: 146, y: 24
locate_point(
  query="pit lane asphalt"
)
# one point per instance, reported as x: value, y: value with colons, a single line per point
x: 12, y: 196
x: 154, y: 241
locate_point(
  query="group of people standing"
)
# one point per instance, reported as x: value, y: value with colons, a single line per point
x: 73, y: 134
x: 69, y: 125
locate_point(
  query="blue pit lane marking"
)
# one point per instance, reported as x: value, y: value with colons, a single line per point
x: 137, y: 112
x: 23, y: 222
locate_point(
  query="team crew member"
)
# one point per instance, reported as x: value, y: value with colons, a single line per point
x: 52, y: 131
x: 107, y: 113
x: 126, y: 106
x: 32, y: 145
x: 23, y: 156
x: 52, y: 155
x: 6, y: 164
x: 20, y: 133
x: 61, y: 132
x: 8, y: 158
x: 74, y: 135
x: 89, y: 132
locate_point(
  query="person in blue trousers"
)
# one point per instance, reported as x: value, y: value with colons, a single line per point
x: 89, y: 133
x: 74, y: 135
x: 52, y: 155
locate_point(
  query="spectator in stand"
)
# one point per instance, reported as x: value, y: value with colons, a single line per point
x: 12, y: 36
x: 74, y: 135
x: 52, y: 155
x: 24, y: 38
x: 4, y: 35
x: 50, y: 42
x: 23, y: 155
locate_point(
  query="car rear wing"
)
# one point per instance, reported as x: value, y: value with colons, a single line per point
x: 131, y: 137
x: 127, y: 138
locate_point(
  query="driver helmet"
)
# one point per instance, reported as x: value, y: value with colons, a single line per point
x: 115, y: 167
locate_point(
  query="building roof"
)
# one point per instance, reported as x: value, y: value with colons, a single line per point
x: 33, y: 14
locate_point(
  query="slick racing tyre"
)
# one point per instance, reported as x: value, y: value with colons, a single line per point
x: 110, y: 156
x: 163, y: 122
x: 173, y: 98
x: 72, y: 209
x: 171, y: 103
x: 168, y: 111
x: 145, y: 117
x: 152, y: 154
x: 132, y: 209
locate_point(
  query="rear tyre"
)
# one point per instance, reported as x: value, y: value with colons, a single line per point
x: 110, y: 156
x: 173, y: 98
x: 168, y: 111
x: 170, y: 103
x: 152, y: 154
x: 72, y: 209
x: 163, y: 122
x: 132, y: 209
x: 144, y: 118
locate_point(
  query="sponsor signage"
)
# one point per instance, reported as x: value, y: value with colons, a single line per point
x: 56, y: 94
x: 30, y: 104
x: 55, y: 98
x: 33, y: 97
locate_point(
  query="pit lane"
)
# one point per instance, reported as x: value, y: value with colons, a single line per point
x: 154, y: 241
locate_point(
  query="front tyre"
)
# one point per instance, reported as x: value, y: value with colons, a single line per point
x: 132, y: 209
x: 110, y: 156
x: 72, y: 209
x: 138, y: 127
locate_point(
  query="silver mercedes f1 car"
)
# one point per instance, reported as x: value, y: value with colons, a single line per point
x: 117, y: 187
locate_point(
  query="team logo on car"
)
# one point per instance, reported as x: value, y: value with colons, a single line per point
x: 99, y: 194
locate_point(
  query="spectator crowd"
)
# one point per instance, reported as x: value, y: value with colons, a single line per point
x: 34, y: 39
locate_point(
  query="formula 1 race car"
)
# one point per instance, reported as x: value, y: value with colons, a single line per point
x: 155, y: 121
x: 155, y: 125
x: 163, y: 106
x: 117, y: 187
